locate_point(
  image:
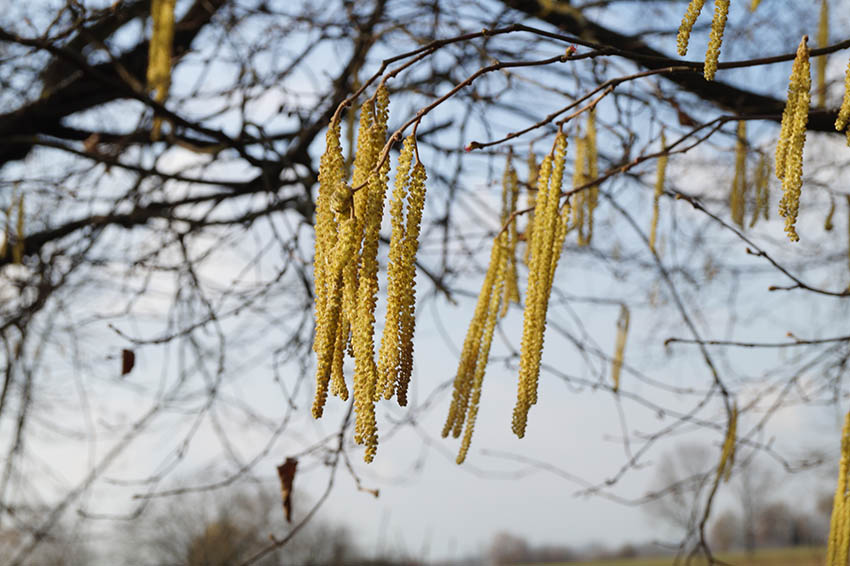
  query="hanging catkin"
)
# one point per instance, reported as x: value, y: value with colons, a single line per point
x: 498, y: 261
x: 620, y: 346
x: 792, y: 138
x: 660, y: 177
x: 159, y: 54
x: 474, y: 352
x: 761, y: 185
x: 363, y: 324
x: 718, y: 25
x: 823, y: 41
x: 510, y: 197
x: 839, y: 524
x: 738, y: 193
x: 592, y: 171
x: 727, y: 456
x: 844, y: 112
x: 546, y: 249
x: 388, y: 355
x: 533, y: 171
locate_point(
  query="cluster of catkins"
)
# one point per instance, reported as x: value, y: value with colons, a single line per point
x: 348, y: 223
x: 792, y: 137
x: 548, y: 224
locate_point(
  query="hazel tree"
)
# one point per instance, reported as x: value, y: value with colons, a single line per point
x: 205, y: 187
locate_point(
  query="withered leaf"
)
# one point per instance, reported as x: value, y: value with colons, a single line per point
x: 286, y: 473
x: 128, y: 361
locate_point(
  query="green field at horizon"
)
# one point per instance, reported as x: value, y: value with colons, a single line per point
x: 797, y: 556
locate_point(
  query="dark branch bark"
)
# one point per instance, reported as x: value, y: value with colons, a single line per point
x: 738, y: 100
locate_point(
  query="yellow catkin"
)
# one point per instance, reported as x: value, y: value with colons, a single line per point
x: 738, y: 194
x: 159, y: 54
x: 499, y: 263
x: 694, y: 8
x: 823, y: 41
x: 20, y: 239
x: 592, y: 170
x: 827, y: 223
x: 620, y: 346
x: 838, y: 525
x: 754, y: 4
x: 388, y: 355
x: 660, y: 177
x: 331, y: 181
x: 848, y: 229
x: 580, y: 178
x: 761, y: 185
x: 718, y: 24
x: 327, y: 329
x: 510, y: 196
x: 472, y: 349
x: 363, y: 323
x: 727, y: 458
x: 338, y: 386
x: 533, y: 171
x: 789, y: 150
x: 416, y: 206
x: 543, y: 260
x: 844, y: 112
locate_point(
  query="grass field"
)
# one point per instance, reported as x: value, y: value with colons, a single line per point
x: 800, y: 556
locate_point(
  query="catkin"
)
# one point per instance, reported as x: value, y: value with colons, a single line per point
x: 848, y: 229
x: 472, y: 346
x: 546, y: 249
x: 580, y: 178
x: 363, y: 324
x: 510, y: 196
x: 694, y: 8
x: 827, y: 223
x: 823, y: 41
x: 411, y: 245
x: 844, y: 112
x: 718, y: 24
x: 592, y: 171
x: 789, y: 150
x: 331, y: 184
x: 327, y: 330
x: 754, y: 4
x: 533, y: 171
x: 727, y: 456
x: 761, y: 185
x: 620, y: 346
x: 839, y: 524
x: 388, y: 355
x: 159, y: 54
x: 660, y: 177
x: 499, y: 264
x: 738, y: 194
